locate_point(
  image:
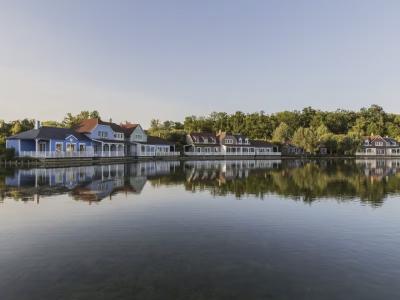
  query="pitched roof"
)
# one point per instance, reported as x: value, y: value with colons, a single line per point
x: 260, y: 144
x: 198, y: 137
x: 128, y: 128
x: 88, y: 125
x: 203, y: 134
x: 389, y: 140
x: 49, y: 133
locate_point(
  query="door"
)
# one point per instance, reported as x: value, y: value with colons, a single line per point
x: 42, y: 146
x: 70, y: 147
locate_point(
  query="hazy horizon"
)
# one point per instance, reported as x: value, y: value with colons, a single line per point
x: 138, y: 60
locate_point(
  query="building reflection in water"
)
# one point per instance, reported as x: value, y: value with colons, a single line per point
x: 307, y: 180
x: 87, y: 183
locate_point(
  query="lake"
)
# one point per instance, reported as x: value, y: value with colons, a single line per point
x: 290, y: 229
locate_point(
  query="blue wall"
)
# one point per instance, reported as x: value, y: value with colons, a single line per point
x: 105, y: 128
x: 13, y: 144
x: 28, y: 145
x: 65, y: 142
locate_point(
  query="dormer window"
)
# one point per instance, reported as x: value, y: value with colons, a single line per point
x: 247, y: 141
x: 240, y: 140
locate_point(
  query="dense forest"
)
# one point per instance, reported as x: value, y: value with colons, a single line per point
x: 340, y: 131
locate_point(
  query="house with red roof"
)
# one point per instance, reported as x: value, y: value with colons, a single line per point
x: 108, y: 138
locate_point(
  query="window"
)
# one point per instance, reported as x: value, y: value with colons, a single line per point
x: 70, y: 147
x: 82, y: 147
x: 247, y: 141
x: 102, y: 134
x: 228, y: 141
x: 59, y: 147
x: 378, y: 143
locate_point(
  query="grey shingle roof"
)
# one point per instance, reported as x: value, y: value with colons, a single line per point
x: 47, y: 133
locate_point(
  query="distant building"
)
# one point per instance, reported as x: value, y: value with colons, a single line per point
x: 140, y: 144
x: 379, y: 146
x: 202, y: 143
x: 291, y: 150
x: 227, y: 144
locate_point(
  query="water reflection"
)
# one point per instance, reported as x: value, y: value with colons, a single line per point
x: 370, y: 181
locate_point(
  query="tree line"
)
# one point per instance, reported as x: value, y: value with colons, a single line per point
x: 340, y: 131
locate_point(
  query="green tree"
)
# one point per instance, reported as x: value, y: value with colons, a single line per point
x: 281, y: 133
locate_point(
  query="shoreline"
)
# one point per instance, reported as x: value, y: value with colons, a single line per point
x: 72, y: 162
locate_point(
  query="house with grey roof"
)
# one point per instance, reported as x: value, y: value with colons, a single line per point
x: 50, y: 142
x: 227, y: 144
x: 377, y: 145
x: 139, y: 144
x: 202, y: 143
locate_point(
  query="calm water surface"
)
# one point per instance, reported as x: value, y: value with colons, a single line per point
x: 202, y: 230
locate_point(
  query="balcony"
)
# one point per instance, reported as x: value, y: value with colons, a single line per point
x: 159, y: 154
x: 70, y: 154
x: 56, y: 154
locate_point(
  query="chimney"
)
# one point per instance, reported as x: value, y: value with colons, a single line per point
x: 37, y: 124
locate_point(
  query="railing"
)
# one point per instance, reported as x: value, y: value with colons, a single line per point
x: 109, y: 154
x: 361, y: 153
x: 55, y: 154
x: 159, y: 154
x: 67, y: 154
x: 188, y: 153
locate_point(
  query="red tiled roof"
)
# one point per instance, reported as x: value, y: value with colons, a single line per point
x: 86, y: 125
x: 89, y: 124
x: 128, y: 128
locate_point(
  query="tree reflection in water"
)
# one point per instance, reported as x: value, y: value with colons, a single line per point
x: 371, y: 181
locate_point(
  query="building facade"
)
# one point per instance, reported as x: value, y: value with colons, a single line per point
x: 379, y: 146
x: 139, y: 144
x: 227, y: 144
x: 50, y: 142
x: 108, y: 138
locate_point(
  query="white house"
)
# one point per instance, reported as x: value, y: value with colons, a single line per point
x: 140, y: 144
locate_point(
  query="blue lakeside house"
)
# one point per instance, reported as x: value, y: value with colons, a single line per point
x: 50, y: 142
x: 108, y: 138
x: 90, y: 138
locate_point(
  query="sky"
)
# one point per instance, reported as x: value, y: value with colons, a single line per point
x: 139, y: 60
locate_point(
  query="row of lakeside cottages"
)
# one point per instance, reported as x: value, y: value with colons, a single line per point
x: 97, y: 138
